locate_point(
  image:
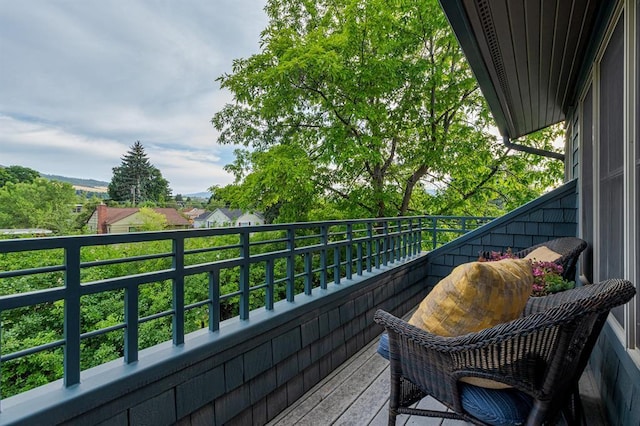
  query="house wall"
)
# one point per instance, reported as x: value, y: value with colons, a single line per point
x: 92, y: 223
x: 123, y: 225
x: 616, y: 357
x: 618, y: 379
x: 250, y: 219
x: 217, y: 218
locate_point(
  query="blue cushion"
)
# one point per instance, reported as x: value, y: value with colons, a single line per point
x: 498, y: 407
x: 383, y: 345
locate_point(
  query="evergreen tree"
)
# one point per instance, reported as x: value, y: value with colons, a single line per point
x: 136, y: 180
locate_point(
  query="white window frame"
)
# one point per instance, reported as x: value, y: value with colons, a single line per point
x: 626, y: 332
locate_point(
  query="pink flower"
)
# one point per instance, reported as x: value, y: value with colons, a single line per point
x: 547, y: 276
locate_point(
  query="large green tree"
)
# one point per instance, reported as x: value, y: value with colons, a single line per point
x: 17, y: 174
x: 38, y: 204
x: 136, y: 180
x: 374, y: 100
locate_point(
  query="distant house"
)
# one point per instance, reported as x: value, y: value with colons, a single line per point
x: 193, y: 213
x: 111, y: 220
x: 230, y: 217
x: 200, y: 221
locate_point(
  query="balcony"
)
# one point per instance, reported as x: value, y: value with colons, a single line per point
x: 357, y: 393
x: 234, y: 354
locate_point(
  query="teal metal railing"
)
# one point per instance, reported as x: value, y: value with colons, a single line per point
x: 211, y: 274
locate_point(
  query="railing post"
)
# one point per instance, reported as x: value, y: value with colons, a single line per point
x: 324, y: 234
x: 178, y: 291
x: 378, y: 249
x: 349, y: 251
x: 291, y: 265
x: 401, y: 241
x: 72, y: 315
x: 359, y: 256
x: 244, y: 275
x: 336, y: 265
x: 434, y: 233
x: 419, y: 239
x: 407, y: 248
x: 268, y: 303
x: 214, y: 297
x: 308, y: 273
x: 131, y: 320
x: 369, y: 242
x: 385, y: 243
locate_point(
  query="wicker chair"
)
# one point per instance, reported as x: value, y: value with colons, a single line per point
x: 542, y: 355
x: 569, y: 249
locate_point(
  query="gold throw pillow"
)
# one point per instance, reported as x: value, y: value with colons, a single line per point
x: 476, y: 296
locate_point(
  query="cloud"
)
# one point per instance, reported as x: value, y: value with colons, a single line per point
x: 82, y: 81
x: 54, y: 151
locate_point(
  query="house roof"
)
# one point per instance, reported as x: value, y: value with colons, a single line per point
x: 116, y: 214
x: 194, y: 212
x: 173, y: 216
x: 203, y: 216
x: 527, y: 56
x: 232, y: 214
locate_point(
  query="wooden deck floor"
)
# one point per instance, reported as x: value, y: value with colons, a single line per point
x: 358, y: 394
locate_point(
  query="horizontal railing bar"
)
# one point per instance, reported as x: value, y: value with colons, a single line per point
x: 200, y: 268
x: 280, y: 280
x: 211, y: 249
x: 197, y: 304
x: 265, y: 242
x: 230, y: 295
x: 259, y: 286
x: 31, y: 298
x: 119, y: 260
x: 32, y: 271
x: 156, y: 316
x: 117, y: 283
x: 101, y: 331
x: 31, y: 351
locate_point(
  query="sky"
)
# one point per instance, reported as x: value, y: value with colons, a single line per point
x: 82, y: 80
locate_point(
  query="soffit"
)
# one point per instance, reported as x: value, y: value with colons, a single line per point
x: 526, y: 55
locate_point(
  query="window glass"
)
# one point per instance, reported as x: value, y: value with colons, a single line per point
x: 611, y: 178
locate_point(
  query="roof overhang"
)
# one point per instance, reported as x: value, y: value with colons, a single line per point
x: 526, y: 55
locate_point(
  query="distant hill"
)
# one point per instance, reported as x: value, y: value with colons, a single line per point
x: 205, y: 195
x: 100, y: 186
x: 77, y: 181
x: 89, y: 185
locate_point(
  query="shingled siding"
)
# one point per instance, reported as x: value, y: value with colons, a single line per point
x: 279, y: 366
x: 617, y: 378
x: 551, y: 216
x: 251, y: 370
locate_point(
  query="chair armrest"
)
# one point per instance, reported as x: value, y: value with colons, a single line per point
x: 436, y: 363
x: 539, y: 353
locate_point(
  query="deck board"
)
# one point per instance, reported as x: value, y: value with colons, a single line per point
x: 357, y: 393
x: 326, y: 402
